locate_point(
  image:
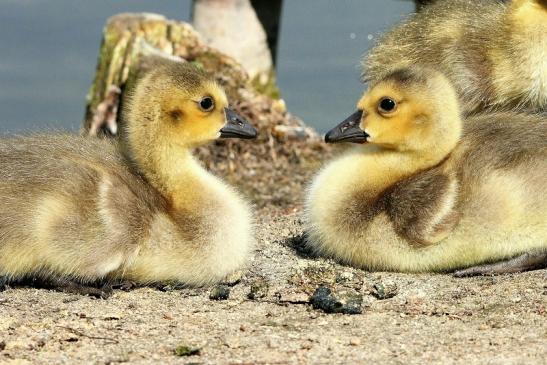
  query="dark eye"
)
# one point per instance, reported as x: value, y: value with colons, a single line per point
x: 206, y: 104
x: 387, y: 105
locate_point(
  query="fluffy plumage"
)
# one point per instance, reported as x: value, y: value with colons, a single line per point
x: 141, y: 209
x: 430, y: 191
x: 495, y: 53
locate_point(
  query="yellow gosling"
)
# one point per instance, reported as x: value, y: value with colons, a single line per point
x: 425, y: 190
x: 142, y: 209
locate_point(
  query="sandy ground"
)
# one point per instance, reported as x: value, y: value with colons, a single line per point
x: 418, y: 318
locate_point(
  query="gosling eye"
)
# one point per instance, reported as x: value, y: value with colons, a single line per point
x: 206, y: 104
x: 387, y: 105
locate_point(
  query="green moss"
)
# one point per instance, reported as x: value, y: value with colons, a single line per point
x: 269, y: 88
x: 184, y: 350
x: 197, y: 64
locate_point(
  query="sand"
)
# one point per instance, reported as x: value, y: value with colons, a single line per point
x: 425, y: 318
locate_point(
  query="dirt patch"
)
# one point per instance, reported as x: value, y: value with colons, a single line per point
x: 418, y: 318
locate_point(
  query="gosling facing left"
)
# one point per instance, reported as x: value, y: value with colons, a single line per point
x: 426, y: 190
x: 142, y: 209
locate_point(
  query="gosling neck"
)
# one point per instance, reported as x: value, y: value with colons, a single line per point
x: 384, y: 167
x: 378, y: 168
x: 174, y: 172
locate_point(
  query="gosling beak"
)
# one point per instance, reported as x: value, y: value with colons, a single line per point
x: 237, y: 127
x: 348, y: 130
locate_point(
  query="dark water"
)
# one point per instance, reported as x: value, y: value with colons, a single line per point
x: 48, y: 52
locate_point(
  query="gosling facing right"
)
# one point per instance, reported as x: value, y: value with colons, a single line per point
x: 142, y: 210
x: 427, y: 191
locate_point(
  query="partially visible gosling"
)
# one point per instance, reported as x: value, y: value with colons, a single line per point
x: 142, y: 210
x: 494, y: 53
x: 422, y: 194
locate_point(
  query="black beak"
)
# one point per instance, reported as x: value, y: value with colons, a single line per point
x: 237, y: 127
x: 348, y: 130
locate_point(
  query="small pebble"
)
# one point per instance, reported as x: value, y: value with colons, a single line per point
x: 344, y: 277
x: 259, y: 289
x: 343, y: 302
x: 184, y: 350
x: 220, y: 292
x: 384, y: 290
x: 354, y: 341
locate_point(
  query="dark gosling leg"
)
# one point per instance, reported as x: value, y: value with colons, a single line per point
x: 528, y: 261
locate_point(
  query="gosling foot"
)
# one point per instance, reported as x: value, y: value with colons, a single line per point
x: 528, y: 261
x: 72, y: 287
x: 125, y: 285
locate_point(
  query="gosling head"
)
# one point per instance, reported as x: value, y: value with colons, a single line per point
x: 410, y: 109
x: 177, y: 104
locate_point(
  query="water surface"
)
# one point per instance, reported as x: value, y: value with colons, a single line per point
x: 49, y: 49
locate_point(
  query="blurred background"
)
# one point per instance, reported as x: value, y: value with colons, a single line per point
x: 49, y: 52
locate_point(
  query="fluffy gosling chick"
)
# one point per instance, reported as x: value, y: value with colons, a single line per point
x: 494, y: 53
x: 421, y: 192
x: 80, y: 208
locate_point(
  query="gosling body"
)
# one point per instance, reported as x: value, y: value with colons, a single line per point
x: 142, y: 209
x: 494, y: 53
x: 423, y: 194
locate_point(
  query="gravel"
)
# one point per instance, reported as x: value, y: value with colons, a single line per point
x: 424, y: 319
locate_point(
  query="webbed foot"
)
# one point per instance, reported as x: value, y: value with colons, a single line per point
x: 125, y: 285
x: 528, y: 261
x: 70, y: 286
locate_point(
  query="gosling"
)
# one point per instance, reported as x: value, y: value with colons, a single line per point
x: 494, y: 53
x: 141, y: 209
x: 425, y: 191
